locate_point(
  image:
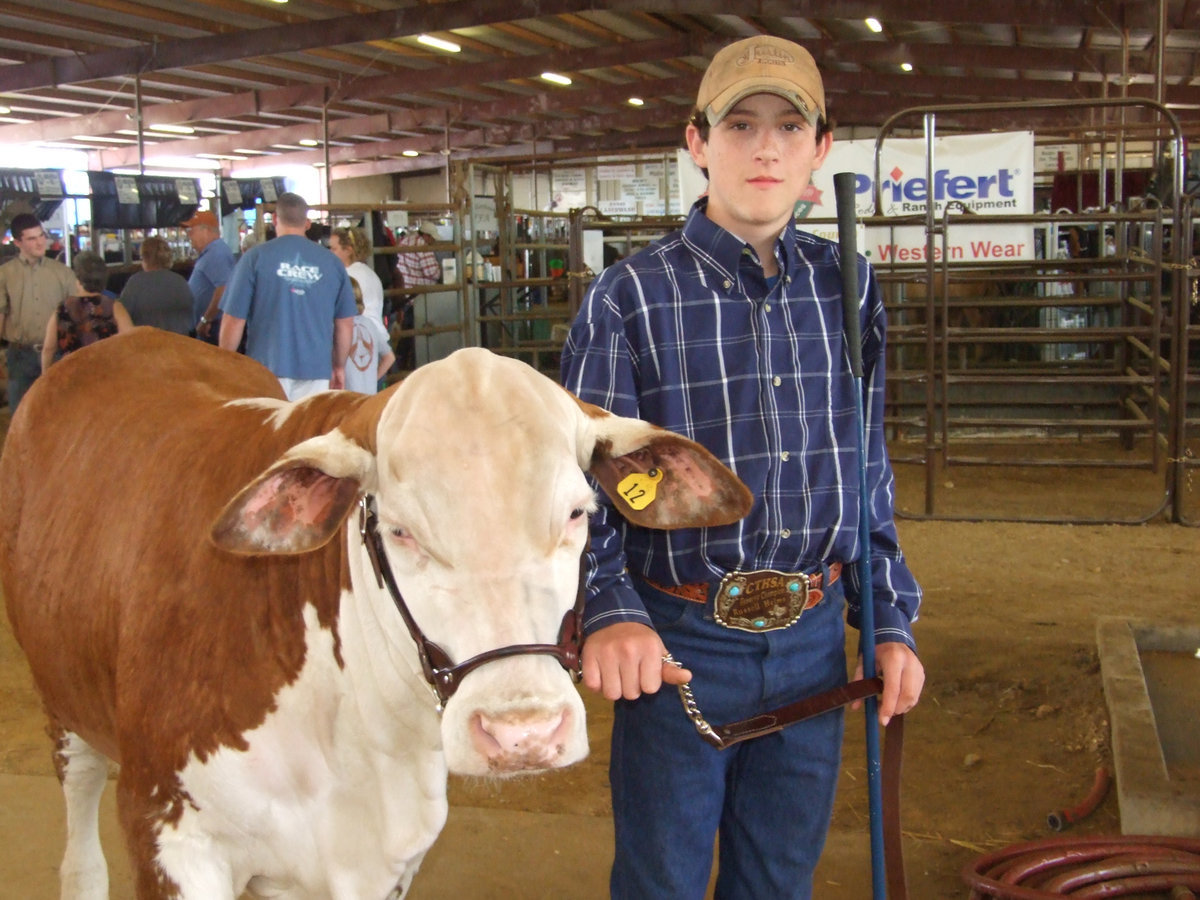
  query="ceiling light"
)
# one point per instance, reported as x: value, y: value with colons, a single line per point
x: 410, y: 153
x: 309, y: 142
x: 430, y: 41
x: 636, y: 101
x: 874, y: 24
x: 104, y: 140
x: 5, y: 110
x: 556, y: 78
x: 173, y: 129
x: 906, y: 67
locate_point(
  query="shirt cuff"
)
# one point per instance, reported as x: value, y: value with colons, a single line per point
x: 892, y: 626
x: 619, y: 602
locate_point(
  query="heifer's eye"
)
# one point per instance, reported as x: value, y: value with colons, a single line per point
x: 578, y: 513
x: 399, y: 533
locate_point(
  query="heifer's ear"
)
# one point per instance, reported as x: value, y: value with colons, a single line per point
x: 657, y: 479
x: 300, y: 502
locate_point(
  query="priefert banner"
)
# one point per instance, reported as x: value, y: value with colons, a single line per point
x: 990, y: 174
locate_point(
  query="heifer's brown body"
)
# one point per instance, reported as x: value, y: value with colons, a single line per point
x: 190, y: 675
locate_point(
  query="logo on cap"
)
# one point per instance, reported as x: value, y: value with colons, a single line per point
x: 766, y: 55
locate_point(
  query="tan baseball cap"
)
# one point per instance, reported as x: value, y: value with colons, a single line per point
x: 761, y: 65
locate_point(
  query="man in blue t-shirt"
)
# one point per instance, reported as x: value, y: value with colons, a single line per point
x: 293, y: 300
x: 210, y: 274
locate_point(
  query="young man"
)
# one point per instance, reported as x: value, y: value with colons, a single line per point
x: 31, y: 288
x: 293, y: 300
x: 730, y: 332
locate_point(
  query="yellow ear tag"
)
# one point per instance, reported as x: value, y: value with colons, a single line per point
x: 639, y: 488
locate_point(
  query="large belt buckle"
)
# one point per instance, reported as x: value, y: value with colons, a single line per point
x: 765, y: 600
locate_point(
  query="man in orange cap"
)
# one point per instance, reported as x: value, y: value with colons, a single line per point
x: 729, y: 331
x: 214, y: 265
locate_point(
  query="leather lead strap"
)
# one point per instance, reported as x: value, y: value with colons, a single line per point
x: 724, y: 736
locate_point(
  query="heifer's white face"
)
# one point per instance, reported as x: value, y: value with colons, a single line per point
x: 476, y: 463
x: 483, y: 510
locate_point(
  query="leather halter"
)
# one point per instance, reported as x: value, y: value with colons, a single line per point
x: 440, y: 671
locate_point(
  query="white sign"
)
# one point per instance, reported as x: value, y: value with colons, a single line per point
x: 654, y: 208
x: 268, y: 190
x: 989, y: 174
x: 1057, y: 157
x: 616, y: 173
x: 186, y: 189
x: 127, y: 189
x: 233, y: 192
x: 652, y: 170
x: 49, y: 182
x: 570, y: 180
x: 640, y: 188
x: 619, y: 207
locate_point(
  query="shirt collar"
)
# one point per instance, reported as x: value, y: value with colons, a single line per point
x: 725, y: 248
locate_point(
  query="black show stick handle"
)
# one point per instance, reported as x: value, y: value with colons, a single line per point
x: 843, y: 190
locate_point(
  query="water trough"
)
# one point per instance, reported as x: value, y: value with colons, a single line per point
x: 1151, y: 676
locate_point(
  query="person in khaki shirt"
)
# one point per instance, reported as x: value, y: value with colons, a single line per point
x: 31, y: 288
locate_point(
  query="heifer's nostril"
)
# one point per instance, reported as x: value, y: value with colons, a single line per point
x: 523, y: 736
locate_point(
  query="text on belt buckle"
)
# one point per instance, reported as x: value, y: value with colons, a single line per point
x: 766, y: 600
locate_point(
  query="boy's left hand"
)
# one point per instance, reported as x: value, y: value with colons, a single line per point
x: 903, y: 677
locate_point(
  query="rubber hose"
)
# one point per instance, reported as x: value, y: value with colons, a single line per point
x: 1060, y: 819
x: 1088, y: 867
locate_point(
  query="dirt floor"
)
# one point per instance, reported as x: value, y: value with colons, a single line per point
x: 1012, y: 725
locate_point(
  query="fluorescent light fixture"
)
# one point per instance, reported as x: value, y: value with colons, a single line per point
x: 309, y: 142
x: 556, y: 78
x: 410, y: 153
x: 173, y: 129
x: 636, y: 101
x: 249, y: 152
x: 906, y: 67
x: 5, y: 110
x: 874, y: 24
x: 103, y: 140
x: 430, y: 41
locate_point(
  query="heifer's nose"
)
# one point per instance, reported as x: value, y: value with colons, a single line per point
x: 521, y: 739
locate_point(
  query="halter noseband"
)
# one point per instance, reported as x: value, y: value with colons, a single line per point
x: 439, y: 670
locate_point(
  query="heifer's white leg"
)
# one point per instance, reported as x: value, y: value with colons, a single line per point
x: 83, y: 772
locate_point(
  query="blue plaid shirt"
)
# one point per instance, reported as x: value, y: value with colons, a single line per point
x: 689, y: 335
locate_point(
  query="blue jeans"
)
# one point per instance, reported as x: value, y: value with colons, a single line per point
x: 24, y: 367
x: 770, y: 799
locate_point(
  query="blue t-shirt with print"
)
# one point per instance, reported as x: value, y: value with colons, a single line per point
x: 289, y: 290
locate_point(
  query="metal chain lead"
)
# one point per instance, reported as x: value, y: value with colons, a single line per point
x: 692, y: 708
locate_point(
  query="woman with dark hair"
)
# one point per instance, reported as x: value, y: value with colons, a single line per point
x: 157, y: 296
x: 86, y: 316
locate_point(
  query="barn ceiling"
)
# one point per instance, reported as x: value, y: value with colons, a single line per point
x: 345, y: 83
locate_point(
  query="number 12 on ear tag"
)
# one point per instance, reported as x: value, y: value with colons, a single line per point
x: 639, y: 489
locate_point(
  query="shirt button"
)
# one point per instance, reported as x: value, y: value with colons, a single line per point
x: 787, y: 279
x: 777, y: 381
x: 786, y: 533
x: 784, y: 455
x: 766, y: 306
x: 727, y: 284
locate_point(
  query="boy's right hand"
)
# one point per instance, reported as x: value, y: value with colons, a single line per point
x: 627, y: 660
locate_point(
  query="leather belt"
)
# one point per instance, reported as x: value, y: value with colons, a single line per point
x: 697, y: 591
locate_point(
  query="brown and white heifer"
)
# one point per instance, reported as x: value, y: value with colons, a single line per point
x: 183, y: 570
